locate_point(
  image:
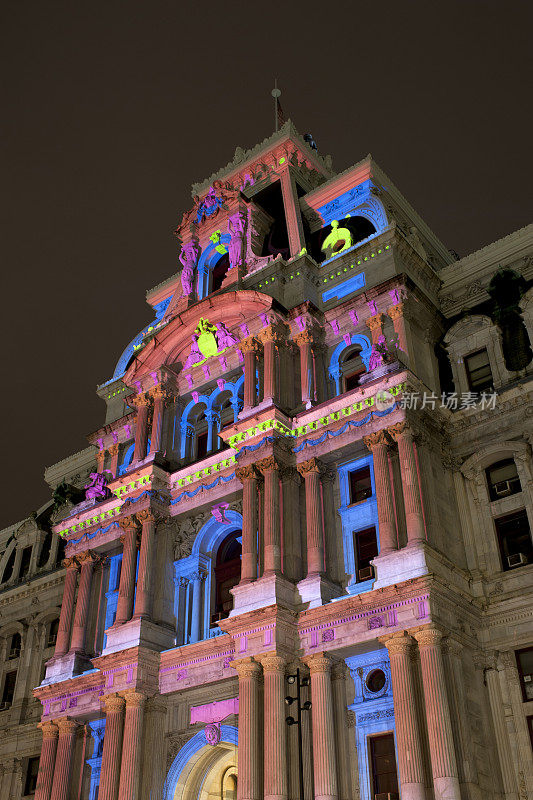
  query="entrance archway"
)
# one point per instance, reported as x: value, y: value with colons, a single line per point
x: 202, y: 771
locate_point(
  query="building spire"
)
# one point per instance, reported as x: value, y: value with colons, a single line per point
x: 279, y: 119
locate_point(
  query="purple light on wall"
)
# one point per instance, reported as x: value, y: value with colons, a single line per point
x: 154, y: 377
x: 195, y: 396
x: 100, y: 443
x: 394, y: 296
x: 335, y: 326
x: 300, y: 322
x: 189, y: 381
x: 220, y: 383
x: 223, y: 362
x: 354, y: 317
x: 347, y: 339
x: 127, y: 431
x: 206, y: 370
x: 114, y: 436
x: 245, y: 329
x: 138, y: 386
x: 372, y: 306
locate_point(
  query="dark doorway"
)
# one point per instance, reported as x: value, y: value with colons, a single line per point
x: 227, y: 575
x: 383, y: 766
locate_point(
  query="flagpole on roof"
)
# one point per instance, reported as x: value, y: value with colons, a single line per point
x: 275, y: 94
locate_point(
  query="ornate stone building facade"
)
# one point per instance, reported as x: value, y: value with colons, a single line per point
x: 302, y: 566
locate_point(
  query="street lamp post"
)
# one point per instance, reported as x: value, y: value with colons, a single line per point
x: 299, y: 682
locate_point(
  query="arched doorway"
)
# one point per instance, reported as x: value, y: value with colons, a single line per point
x: 202, y: 771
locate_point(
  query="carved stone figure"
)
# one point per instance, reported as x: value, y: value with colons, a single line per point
x: 237, y: 228
x: 224, y: 337
x: 380, y: 354
x: 97, y: 487
x: 338, y: 240
x: 194, y: 356
x: 188, y: 258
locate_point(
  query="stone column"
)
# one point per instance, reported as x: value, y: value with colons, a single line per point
x: 248, y: 785
x: 304, y: 340
x: 79, y: 629
x: 403, y: 434
x: 141, y: 429
x: 158, y: 395
x: 249, y: 349
x: 113, y: 451
x: 310, y: 470
x: 407, y: 726
x: 492, y: 680
x: 248, y: 477
x: 196, y: 613
x: 130, y: 770
x: 388, y: 535
x: 275, y: 736
x: 100, y: 458
x: 272, y: 535
x: 112, y: 750
x: 396, y: 313
x: 292, y: 213
x: 65, y: 617
x: 45, y: 776
x: 145, y: 582
x: 126, y: 587
x: 441, y: 747
x: 269, y: 338
x: 338, y: 681
x: 64, y: 757
x: 324, y: 761
x: 292, y: 564
x: 375, y: 325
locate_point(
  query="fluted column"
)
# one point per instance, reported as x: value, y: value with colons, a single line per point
x: 45, y: 776
x: 145, y: 581
x: 375, y: 325
x: 126, y: 587
x: 304, y: 340
x: 113, y: 452
x: 388, y: 536
x: 414, y: 518
x: 130, y: 769
x: 112, y: 750
x: 275, y: 728
x: 443, y: 762
x: 324, y: 761
x: 248, y: 477
x: 396, y: 313
x: 158, y: 395
x: 248, y: 785
x: 407, y: 726
x: 269, y: 337
x: 249, y: 349
x: 310, y: 470
x: 100, y: 458
x: 64, y: 757
x: 79, y: 629
x: 338, y: 682
x: 271, y: 530
x: 141, y: 430
x: 67, y: 606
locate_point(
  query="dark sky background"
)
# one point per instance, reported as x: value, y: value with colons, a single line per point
x: 111, y: 110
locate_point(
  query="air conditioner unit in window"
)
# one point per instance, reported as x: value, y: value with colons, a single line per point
x: 365, y: 574
x: 502, y: 488
x: 516, y: 560
x: 52, y: 639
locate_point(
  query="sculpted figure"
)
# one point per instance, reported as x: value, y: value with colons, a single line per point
x: 194, y: 356
x: 380, y: 354
x: 338, y: 239
x: 188, y: 258
x: 225, y: 338
x: 237, y: 229
x: 97, y: 487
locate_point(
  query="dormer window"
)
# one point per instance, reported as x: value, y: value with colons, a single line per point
x: 478, y: 371
x: 502, y: 479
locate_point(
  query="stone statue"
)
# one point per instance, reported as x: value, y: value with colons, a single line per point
x: 97, y: 487
x: 224, y: 337
x: 338, y: 240
x: 188, y: 258
x: 194, y: 356
x: 237, y: 228
x: 380, y: 354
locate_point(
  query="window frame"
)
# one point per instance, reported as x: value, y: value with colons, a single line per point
x: 472, y: 388
x: 522, y: 512
x: 525, y: 699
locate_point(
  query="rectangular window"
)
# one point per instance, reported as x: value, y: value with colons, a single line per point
x: 31, y: 775
x: 360, y: 485
x: 530, y: 727
x: 25, y: 562
x: 201, y: 446
x: 9, y: 688
x: 52, y: 633
x: 502, y: 479
x: 478, y: 371
x: 365, y: 549
x: 524, y: 660
x: 383, y: 767
x: 514, y: 539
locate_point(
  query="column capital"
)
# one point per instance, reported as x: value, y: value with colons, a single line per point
x: 134, y: 699
x: 129, y: 523
x: 140, y: 400
x: 401, y: 429
x: 248, y: 472
x: 113, y: 449
x: 313, y: 465
x: 269, y: 334
x: 147, y: 515
x: 318, y: 663
x: 49, y: 729
x: 304, y: 337
x: 247, y: 668
x: 248, y: 345
x: 289, y: 473
x: 112, y: 703
x: 452, y: 646
x: 375, y: 322
x: 70, y: 563
x: 267, y: 464
x: 66, y: 726
x: 273, y: 663
x: 375, y: 440
x: 398, y: 644
x: 87, y: 557
x: 158, y: 392
x: 396, y: 311
x: 428, y: 636
x: 339, y: 670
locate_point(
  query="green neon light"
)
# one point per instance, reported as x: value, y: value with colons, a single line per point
x: 282, y: 160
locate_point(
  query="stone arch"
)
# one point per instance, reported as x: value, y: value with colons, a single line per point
x: 472, y: 333
x: 495, y: 452
x: 335, y: 369
x: 198, y: 763
x: 206, y: 264
x: 5, y: 558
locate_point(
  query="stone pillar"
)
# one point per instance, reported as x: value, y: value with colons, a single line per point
x: 338, y: 681
x: 112, y: 750
x: 275, y: 736
x: 79, y: 629
x: 269, y: 338
x: 126, y: 587
x: 403, y: 434
x: 248, y: 477
x: 145, y: 581
x: 249, y: 753
x: 292, y: 213
x: 249, y: 349
x: 492, y: 681
x: 324, y: 761
x: 272, y: 535
x: 408, y: 740
x: 292, y: 564
x: 388, y: 535
x: 130, y: 770
x: 375, y: 325
x: 443, y: 762
x: 310, y: 470
x: 64, y: 757
x: 65, y: 617
x: 113, y: 451
x: 100, y: 459
x: 158, y: 394
x: 141, y: 429
x: 45, y: 776
x: 304, y: 340
x: 196, y: 613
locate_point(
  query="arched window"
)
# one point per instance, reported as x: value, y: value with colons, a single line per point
x: 352, y: 367
x: 227, y: 574
x: 45, y: 551
x: 14, y: 646
x: 8, y: 570
x: 218, y: 273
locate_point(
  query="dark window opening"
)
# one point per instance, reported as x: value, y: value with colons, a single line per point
x: 502, y: 479
x: 360, y: 485
x: 45, y: 551
x: 524, y: 660
x: 478, y: 371
x: 8, y: 571
x: 9, y: 688
x: 376, y: 681
x: 60, y: 552
x: 201, y: 445
x: 352, y: 368
x: 277, y: 239
x: 25, y: 562
x: 365, y: 549
x: 32, y: 771
x: 14, y: 646
x: 514, y: 539
x: 219, y: 272
x: 227, y: 575
x: 506, y: 289
x: 383, y: 767
x: 52, y: 633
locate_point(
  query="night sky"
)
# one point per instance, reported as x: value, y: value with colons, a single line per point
x: 111, y: 110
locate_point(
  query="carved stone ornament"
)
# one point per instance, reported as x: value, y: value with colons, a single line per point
x: 212, y: 733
